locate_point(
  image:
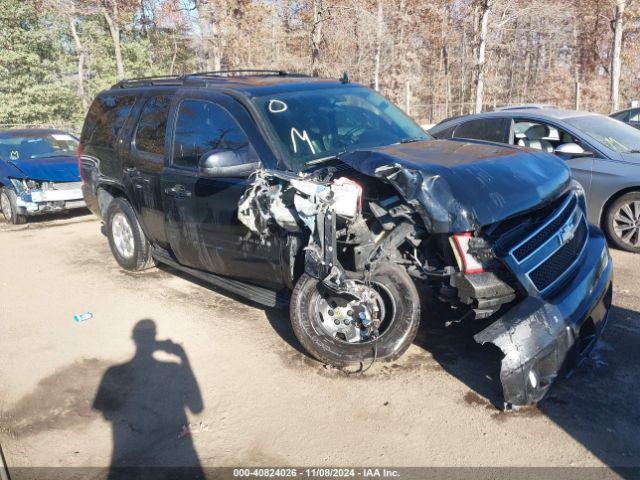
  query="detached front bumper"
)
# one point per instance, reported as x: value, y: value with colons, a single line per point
x: 60, y: 198
x: 539, y: 337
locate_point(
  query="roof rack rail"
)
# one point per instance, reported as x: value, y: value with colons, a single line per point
x: 180, y: 79
x: 154, y: 80
x: 241, y: 72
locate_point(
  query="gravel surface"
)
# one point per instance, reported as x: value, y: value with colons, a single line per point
x: 238, y: 390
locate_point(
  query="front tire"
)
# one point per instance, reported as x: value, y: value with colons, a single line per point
x: 9, y: 206
x: 622, y: 222
x: 129, y: 244
x: 392, y: 283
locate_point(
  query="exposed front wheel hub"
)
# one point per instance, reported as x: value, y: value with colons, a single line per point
x: 352, y: 320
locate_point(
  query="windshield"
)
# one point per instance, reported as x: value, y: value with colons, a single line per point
x: 25, y: 147
x: 613, y: 134
x: 316, y: 124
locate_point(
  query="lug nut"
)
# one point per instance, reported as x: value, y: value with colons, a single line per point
x: 330, y: 312
x: 336, y: 321
x: 346, y: 321
x: 350, y: 313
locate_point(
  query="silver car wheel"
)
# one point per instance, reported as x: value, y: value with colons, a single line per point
x: 626, y: 223
x: 122, y: 235
x: 348, y: 320
x: 5, y: 204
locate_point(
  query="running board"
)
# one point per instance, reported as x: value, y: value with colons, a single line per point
x: 261, y: 295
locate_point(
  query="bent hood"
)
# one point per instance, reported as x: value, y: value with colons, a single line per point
x: 52, y: 169
x: 462, y: 185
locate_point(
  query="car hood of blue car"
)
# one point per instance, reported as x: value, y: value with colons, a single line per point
x: 465, y: 185
x: 51, y: 169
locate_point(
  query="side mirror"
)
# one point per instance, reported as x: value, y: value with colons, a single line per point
x: 572, y: 150
x: 227, y: 163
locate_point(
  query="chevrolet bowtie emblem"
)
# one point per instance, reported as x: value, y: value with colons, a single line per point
x: 567, y: 233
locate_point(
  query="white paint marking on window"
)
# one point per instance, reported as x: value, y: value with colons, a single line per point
x: 277, y: 106
x: 304, y: 136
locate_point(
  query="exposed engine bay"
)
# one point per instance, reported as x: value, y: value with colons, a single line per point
x: 351, y: 223
x: 352, y: 226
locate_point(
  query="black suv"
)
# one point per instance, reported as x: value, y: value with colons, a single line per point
x: 322, y: 194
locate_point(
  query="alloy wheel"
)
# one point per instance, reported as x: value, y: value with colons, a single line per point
x: 626, y: 223
x: 122, y: 235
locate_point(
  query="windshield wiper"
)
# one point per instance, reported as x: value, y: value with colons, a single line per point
x: 412, y: 139
x: 322, y: 160
x: 634, y: 151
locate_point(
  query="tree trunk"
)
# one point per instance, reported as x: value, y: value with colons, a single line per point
x: 316, y: 37
x: 615, y: 58
x: 481, y: 40
x: 376, y: 70
x: 114, y: 29
x: 81, y: 58
x: 174, y: 56
x: 210, y: 49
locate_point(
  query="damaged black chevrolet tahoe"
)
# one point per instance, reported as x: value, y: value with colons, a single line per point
x: 322, y: 194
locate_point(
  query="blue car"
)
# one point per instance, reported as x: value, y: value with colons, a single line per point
x: 38, y: 173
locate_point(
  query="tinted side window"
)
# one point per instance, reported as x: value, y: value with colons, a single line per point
x: 623, y: 116
x: 634, y: 116
x: 105, y: 119
x: 442, y: 134
x: 491, y: 129
x: 152, y: 125
x: 203, y: 126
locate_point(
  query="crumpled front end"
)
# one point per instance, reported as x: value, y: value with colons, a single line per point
x: 542, y: 335
x: 34, y: 197
x: 532, y: 263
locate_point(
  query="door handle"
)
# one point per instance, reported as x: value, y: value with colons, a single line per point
x: 129, y: 170
x: 178, y: 190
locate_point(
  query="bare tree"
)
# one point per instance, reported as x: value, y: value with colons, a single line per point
x: 109, y: 11
x: 615, y: 57
x: 379, y: 25
x: 483, y: 9
x: 210, y: 48
x: 316, y: 36
x: 80, y: 52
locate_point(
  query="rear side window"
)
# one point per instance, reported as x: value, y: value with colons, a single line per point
x: 152, y: 125
x: 490, y: 129
x: 203, y: 126
x: 105, y: 119
x: 622, y: 116
x: 445, y: 133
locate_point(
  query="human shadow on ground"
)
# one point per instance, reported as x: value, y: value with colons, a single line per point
x: 145, y: 400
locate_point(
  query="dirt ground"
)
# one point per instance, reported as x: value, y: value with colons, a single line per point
x: 240, y: 392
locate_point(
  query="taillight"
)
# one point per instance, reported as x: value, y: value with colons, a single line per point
x: 80, y: 162
x: 468, y: 263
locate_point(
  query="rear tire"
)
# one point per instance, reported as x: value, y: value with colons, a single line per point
x: 9, y: 207
x: 129, y: 244
x: 391, y: 343
x: 622, y: 222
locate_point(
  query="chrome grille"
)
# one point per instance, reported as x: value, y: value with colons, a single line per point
x: 545, y: 233
x: 556, y: 265
x: 547, y: 255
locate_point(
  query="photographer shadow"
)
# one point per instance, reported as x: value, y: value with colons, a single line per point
x: 146, y: 401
